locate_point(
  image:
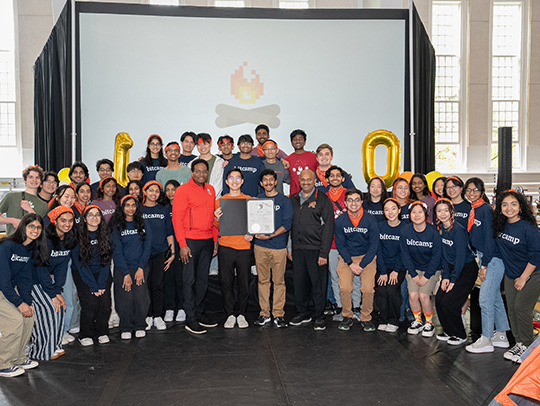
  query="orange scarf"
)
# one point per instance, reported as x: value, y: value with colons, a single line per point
x: 335, y: 194
x: 475, y: 205
x: 260, y: 150
x: 322, y: 177
x: 79, y: 206
x: 355, y: 220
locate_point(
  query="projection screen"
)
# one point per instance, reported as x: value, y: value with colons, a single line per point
x: 338, y: 75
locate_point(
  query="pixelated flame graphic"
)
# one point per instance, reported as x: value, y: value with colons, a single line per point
x: 244, y: 90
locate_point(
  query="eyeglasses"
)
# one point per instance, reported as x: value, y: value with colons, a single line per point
x: 34, y: 228
x: 232, y: 178
x: 469, y: 190
x: 451, y: 187
x: 269, y: 149
x: 93, y: 216
x: 357, y: 200
x: 173, y: 150
x: 154, y: 144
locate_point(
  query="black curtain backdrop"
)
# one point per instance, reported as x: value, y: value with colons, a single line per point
x: 424, y: 98
x: 52, y: 97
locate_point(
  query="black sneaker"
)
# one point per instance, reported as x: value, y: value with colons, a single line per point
x: 205, y: 321
x: 330, y: 308
x: 280, y: 322
x: 262, y: 320
x: 300, y: 319
x: 320, y: 324
x: 345, y: 324
x: 368, y: 326
x: 194, y: 327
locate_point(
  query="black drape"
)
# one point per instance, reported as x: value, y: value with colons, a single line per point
x: 52, y: 97
x: 424, y: 97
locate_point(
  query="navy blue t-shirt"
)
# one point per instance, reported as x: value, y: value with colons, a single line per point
x: 149, y: 172
x: 519, y: 245
x: 461, y: 213
x: 251, y: 168
x: 16, y: 271
x: 129, y: 251
x: 421, y: 251
x: 375, y: 209
x: 58, y: 268
x: 456, y: 251
x: 283, y: 214
x: 389, y: 252
x: 159, y: 220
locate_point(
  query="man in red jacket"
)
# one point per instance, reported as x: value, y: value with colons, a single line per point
x: 193, y: 221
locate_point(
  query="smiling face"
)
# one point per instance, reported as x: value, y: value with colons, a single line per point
x: 109, y: 189
x: 417, y: 215
x: 187, y: 145
x: 93, y: 219
x: 270, y: 151
x: 262, y: 136
x: 84, y: 194
x: 453, y: 190
x: 391, y: 210
x: 269, y: 183
x: 298, y: 142
x: 173, y: 152
x: 68, y: 198
x: 234, y: 181
x: 226, y: 147
x: 307, y: 181
x: 472, y: 192
x: 510, y: 208
x: 154, y: 145
x: 417, y: 186
x: 324, y: 157
x: 204, y: 148
x: 245, y: 147
x: 78, y: 175
x: 104, y: 171
x: 134, y: 190
x: 33, y: 231
x: 402, y: 190
x: 49, y: 185
x: 169, y: 191
x: 200, y: 174
x: 438, y: 187
x: 33, y: 180
x: 152, y: 193
x: 63, y: 224
x: 353, y: 203
x: 130, y: 207
x: 443, y: 213
x: 335, y: 180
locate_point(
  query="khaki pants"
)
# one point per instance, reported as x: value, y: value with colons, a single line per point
x: 271, y: 265
x: 16, y: 331
x: 346, y: 275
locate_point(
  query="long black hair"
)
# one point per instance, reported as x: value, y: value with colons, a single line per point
x: 384, y: 194
x: 116, y: 197
x: 148, y: 157
x: 55, y: 202
x: 500, y: 220
x: 479, y: 184
x: 173, y: 182
x: 103, y: 236
x: 451, y: 210
x: 443, y: 178
x: 70, y: 238
x: 425, y: 192
x: 118, y: 220
x: 456, y: 181
x: 39, y: 246
x: 139, y: 184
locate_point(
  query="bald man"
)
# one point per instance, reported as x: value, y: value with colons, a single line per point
x: 311, y: 234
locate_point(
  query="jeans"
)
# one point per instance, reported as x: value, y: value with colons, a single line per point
x: 73, y: 308
x: 491, y: 303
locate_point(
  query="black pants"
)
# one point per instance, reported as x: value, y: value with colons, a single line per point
x: 449, y: 304
x: 174, y: 285
x: 155, y: 284
x: 132, y: 306
x: 95, y: 310
x: 309, y: 277
x: 195, y: 276
x: 229, y: 260
x: 388, y: 299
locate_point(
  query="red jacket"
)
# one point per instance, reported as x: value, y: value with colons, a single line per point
x: 193, y: 212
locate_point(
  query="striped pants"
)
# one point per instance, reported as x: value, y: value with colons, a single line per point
x: 48, y: 326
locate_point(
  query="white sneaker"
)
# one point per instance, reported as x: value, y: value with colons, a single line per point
x: 382, y: 327
x: 169, y: 316
x: 415, y: 328
x: 160, y: 324
x: 140, y: 333
x: 500, y: 340
x: 481, y: 346
x: 126, y: 335
x: 515, y: 353
x: 254, y: 270
x: 181, y: 316
x: 391, y: 328
x: 429, y: 330
x: 456, y: 340
x: 11, y: 372
x: 103, y: 339
x: 114, y: 320
x: 85, y: 342
x: 75, y: 330
x: 149, y: 323
x: 67, y: 338
x: 242, y: 322
x: 230, y: 322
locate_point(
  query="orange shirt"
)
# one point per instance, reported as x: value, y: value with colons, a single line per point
x: 237, y: 242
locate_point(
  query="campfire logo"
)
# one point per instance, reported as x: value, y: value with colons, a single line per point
x: 247, y: 91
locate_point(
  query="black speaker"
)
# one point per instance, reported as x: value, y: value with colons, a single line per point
x: 504, y: 178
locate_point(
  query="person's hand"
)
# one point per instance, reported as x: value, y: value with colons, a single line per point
x: 185, y: 254
x: 216, y: 247
x: 218, y: 213
x: 225, y: 163
x: 322, y: 261
x: 289, y: 255
x: 444, y: 284
x: 393, y: 278
x: 356, y: 268
x: 449, y: 287
x: 169, y: 262
x: 520, y: 282
x: 262, y: 237
x: 15, y: 222
x: 382, y: 280
x: 248, y: 237
x: 139, y: 277
x: 26, y: 311
x: 62, y: 300
x: 286, y: 164
x: 422, y: 280
x: 25, y: 205
x: 57, y: 304
x: 482, y: 273
x: 127, y: 283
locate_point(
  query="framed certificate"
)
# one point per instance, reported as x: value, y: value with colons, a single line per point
x: 246, y: 216
x: 260, y: 216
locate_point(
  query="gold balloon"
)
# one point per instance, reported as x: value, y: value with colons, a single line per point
x: 431, y: 177
x: 63, y: 175
x: 122, y: 145
x: 393, y: 156
x: 407, y: 175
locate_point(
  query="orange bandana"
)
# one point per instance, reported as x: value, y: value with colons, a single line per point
x: 322, y: 177
x: 335, y: 194
x: 355, y: 219
x: 57, y: 212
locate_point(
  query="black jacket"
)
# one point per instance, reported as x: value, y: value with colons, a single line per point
x: 313, y: 223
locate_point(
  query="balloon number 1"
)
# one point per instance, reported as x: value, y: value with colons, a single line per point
x: 122, y: 145
x: 393, y: 155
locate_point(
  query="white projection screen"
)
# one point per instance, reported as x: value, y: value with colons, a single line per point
x: 336, y: 74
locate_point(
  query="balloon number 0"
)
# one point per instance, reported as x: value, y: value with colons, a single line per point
x: 393, y: 155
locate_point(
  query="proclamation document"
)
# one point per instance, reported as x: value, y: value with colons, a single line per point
x: 260, y: 216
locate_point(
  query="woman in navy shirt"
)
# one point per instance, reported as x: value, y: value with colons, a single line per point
x: 375, y: 196
x: 438, y: 187
x: 518, y: 241
x: 460, y: 271
x: 401, y: 192
x: 154, y: 160
x: 455, y: 191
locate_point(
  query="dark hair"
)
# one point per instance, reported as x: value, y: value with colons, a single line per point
x: 425, y: 192
x: 78, y: 164
x: 148, y: 157
x: 500, y: 220
x: 384, y: 194
x: 161, y: 198
x: 334, y: 168
x: 235, y: 169
x: 70, y: 238
x: 80, y: 186
x: 188, y: 134
x: 386, y: 201
x: 118, y: 220
x: 245, y: 138
x: 443, y: 178
x: 456, y: 181
x: 34, y: 168
x: 207, y: 138
x: 262, y: 127
x: 296, y: 132
x: 60, y: 192
x: 266, y: 172
x: 173, y: 182
x: 424, y: 207
x: 450, y: 209
x: 197, y: 162
x: 135, y: 165
x: 103, y: 237
x: 225, y: 137
x: 352, y: 191
x: 51, y: 173
x: 104, y: 161
x: 479, y: 184
x: 116, y: 197
x: 39, y: 246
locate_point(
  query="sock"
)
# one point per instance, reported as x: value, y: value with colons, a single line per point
x: 428, y: 317
x: 418, y: 315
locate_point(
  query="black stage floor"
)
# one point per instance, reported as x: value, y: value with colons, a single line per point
x: 264, y: 366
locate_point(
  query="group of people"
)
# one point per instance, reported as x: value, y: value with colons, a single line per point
x: 139, y: 257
